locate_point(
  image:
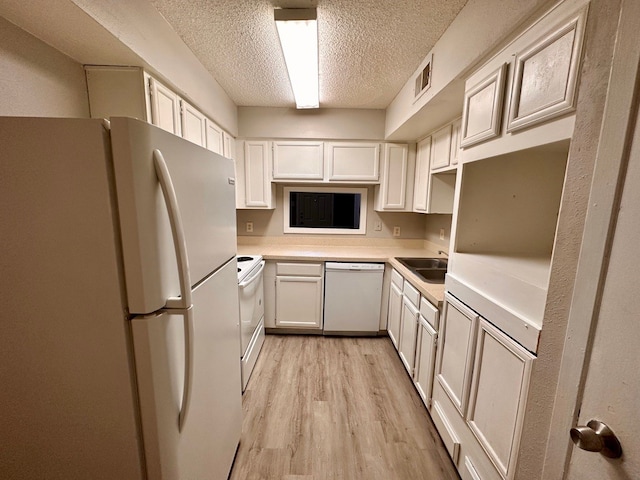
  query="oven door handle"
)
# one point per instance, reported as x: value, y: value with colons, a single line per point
x: 250, y: 280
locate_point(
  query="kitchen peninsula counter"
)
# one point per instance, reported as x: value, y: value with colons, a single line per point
x: 348, y: 250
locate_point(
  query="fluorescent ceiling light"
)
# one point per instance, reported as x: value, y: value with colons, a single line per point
x: 298, y: 31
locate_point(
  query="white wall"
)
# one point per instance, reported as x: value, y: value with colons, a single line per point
x: 37, y: 80
x: 323, y: 123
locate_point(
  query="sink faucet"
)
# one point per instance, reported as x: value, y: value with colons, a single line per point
x: 442, y: 252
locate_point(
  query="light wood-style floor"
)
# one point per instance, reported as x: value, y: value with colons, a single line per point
x: 336, y: 408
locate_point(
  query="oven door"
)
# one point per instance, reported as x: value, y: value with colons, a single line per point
x: 251, y: 293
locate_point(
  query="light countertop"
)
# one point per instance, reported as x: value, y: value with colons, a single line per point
x: 361, y: 250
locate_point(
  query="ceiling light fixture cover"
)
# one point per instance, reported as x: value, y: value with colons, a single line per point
x: 298, y: 32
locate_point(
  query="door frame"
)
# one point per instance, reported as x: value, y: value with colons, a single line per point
x: 608, y: 179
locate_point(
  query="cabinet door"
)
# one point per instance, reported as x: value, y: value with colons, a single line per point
x: 257, y: 160
x: 193, y: 124
x: 421, y: 185
x: 425, y: 360
x: 499, y: 390
x: 393, y: 183
x: 441, y: 148
x: 214, y: 137
x: 395, y: 311
x: 455, y: 142
x: 482, y: 109
x: 546, y: 75
x: 298, y: 160
x: 229, y: 145
x: 456, y: 348
x: 352, y: 162
x: 299, y: 302
x: 408, y: 334
x: 165, y: 107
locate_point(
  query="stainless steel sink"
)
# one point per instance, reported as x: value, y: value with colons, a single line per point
x: 431, y: 270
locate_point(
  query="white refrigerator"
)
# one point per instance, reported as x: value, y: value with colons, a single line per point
x: 119, y: 345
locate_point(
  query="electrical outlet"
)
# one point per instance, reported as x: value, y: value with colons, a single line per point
x: 396, y: 231
x: 442, y: 234
x: 378, y: 226
x: 249, y: 227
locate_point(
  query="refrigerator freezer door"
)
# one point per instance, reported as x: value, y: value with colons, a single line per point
x: 206, y: 200
x: 204, y: 445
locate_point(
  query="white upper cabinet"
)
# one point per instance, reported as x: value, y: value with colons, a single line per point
x: 193, y: 124
x: 421, y: 182
x: 229, y: 145
x: 215, y: 136
x: 546, y: 74
x: 298, y: 160
x: 253, y: 177
x: 455, y: 142
x: 391, y: 195
x: 352, y: 161
x: 165, y: 107
x: 524, y: 97
x: 116, y: 91
x: 482, y: 108
x: 441, y: 148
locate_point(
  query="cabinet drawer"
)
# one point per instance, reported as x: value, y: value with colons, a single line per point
x: 411, y: 293
x: 397, y: 279
x: 449, y: 436
x: 299, y: 269
x: 429, y: 312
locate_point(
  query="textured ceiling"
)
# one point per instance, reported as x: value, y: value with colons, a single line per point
x: 368, y: 48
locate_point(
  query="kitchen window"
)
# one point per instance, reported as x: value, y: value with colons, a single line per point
x: 325, y: 210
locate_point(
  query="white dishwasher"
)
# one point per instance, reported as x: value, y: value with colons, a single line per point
x: 352, y: 298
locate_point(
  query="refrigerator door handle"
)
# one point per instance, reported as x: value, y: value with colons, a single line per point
x: 188, y: 368
x: 177, y: 230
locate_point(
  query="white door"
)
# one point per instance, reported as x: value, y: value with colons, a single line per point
x: 605, y: 312
x: 612, y: 386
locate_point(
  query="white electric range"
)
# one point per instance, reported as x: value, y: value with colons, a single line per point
x: 251, y: 295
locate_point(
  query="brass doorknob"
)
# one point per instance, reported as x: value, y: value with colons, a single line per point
x: 596, y: 437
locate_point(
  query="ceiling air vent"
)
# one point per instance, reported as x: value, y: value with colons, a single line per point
x: 423, y: 79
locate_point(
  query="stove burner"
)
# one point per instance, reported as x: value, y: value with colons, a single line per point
x: 244, y: 259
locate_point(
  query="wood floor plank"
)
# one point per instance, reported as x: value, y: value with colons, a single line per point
x: 324, y: 408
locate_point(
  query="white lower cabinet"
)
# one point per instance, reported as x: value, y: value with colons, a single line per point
x: 395, y: 308
x: 456, y: 349
x: 479, y: 395
x: 408, y: 333
x: 426, y: 351
x: 299, y: 293
x: 498, y: 392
